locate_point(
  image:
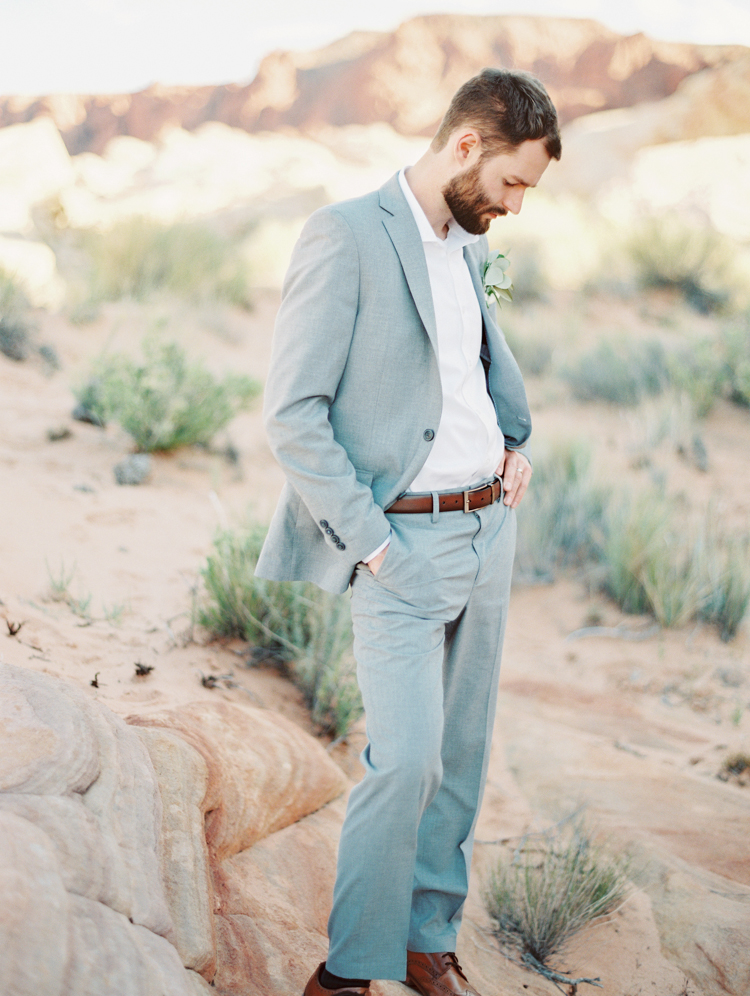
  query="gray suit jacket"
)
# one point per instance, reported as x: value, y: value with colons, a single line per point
x: 353, y: 396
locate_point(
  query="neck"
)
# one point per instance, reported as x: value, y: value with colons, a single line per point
x: 426, y: 181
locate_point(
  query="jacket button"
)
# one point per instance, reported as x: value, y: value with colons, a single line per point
x: 329, y: 531
x: 335, y: 538
x: 341, y: 546
x: 323, y: 524
x: 428, y: 435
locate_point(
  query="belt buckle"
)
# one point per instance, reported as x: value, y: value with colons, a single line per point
x: 471, y: 491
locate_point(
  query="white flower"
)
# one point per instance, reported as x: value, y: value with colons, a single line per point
x: 497, y: 282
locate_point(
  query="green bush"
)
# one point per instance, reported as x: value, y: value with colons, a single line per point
x: 697, y: 262
x: 165, y: 401
x: 15, y: 326
x: 623, y: 374
x: 307, y: 629
x: 138, y: 257
x: 551, y: 889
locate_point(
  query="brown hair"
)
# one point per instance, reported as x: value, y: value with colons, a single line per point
x: 507, y: 107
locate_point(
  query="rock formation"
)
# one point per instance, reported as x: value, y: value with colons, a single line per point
x: 403, y: 78
x: 115, y: 841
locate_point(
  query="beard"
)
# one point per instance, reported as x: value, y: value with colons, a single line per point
x: 468, y: 201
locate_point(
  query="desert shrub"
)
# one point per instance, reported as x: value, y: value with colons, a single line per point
x: 555, y: 884
x: 15, y: 325
x: 164, y: 401
x: 654, y: 562
x: 633, y: 530
x: 138, y: 256
x: 306, y: 629
x: 724, y: 572
x: 697, y: 262
x: 650, y: 564
x: 559, y: 520
x: 621, y: 374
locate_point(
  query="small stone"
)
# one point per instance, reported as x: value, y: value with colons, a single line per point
x: 134, y: 469
x: 59, y: 433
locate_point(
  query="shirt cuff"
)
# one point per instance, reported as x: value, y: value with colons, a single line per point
x: 366, y: 560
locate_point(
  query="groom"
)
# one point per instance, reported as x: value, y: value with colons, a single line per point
x: 400, y: 419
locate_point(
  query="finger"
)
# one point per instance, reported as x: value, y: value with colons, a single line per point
x: 521, y: 489
x: 511, y: 480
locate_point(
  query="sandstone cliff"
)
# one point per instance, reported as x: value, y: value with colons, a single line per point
x: 403, y: 78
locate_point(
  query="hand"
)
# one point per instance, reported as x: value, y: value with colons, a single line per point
x: 515, y: 471
x: 375, y: 563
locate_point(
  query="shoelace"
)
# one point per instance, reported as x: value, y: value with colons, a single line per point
x: 452, y: 960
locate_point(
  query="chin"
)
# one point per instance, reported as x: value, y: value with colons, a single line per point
x: 480, y: 227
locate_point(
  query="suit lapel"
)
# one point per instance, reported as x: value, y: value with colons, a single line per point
x: 475, y: 264
x: 404, y: 234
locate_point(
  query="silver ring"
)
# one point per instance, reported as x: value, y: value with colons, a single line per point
x: 519, y: 470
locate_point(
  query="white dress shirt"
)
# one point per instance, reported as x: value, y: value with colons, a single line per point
x: 468, y: 443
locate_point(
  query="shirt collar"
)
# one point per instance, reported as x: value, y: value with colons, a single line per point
x: 457, y: 237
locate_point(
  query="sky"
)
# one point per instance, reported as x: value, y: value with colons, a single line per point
x: 110, y: 46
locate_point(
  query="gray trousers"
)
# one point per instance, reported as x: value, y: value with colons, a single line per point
x: 428, y: 633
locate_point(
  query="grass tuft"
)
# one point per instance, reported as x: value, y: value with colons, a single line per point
x: 724, y: 569
x: 59, y: 581
x: 304, y: 628
x: 165, y: 401
x: 551, y: 888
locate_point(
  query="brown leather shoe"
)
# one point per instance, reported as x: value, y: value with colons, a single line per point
x: 437, y: 974
x: 314, y: 988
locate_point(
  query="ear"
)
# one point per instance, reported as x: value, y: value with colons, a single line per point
x: 468, y: 146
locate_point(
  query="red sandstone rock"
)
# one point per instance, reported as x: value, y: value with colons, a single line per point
x: 404, y: 78
x: 264, y: 772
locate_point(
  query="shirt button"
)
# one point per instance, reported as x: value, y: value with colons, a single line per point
x: 428, y: 435
x: 323, y: 524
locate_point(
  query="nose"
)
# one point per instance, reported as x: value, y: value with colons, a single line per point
x: 513, y: 200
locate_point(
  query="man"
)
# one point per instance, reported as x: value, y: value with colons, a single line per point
x: 400, y: 419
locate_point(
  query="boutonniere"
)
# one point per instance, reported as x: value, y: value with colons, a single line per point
x: 497, y: 283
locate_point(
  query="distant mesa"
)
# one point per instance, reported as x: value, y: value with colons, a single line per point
x: 403, y: 78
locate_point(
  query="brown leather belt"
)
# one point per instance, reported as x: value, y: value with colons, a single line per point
x: 456, y: 501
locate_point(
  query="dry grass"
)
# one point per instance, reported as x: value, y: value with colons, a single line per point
x: 554, y: 885
x: 307, y: 630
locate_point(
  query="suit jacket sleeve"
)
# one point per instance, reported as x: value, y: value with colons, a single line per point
x: 313, y: 333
